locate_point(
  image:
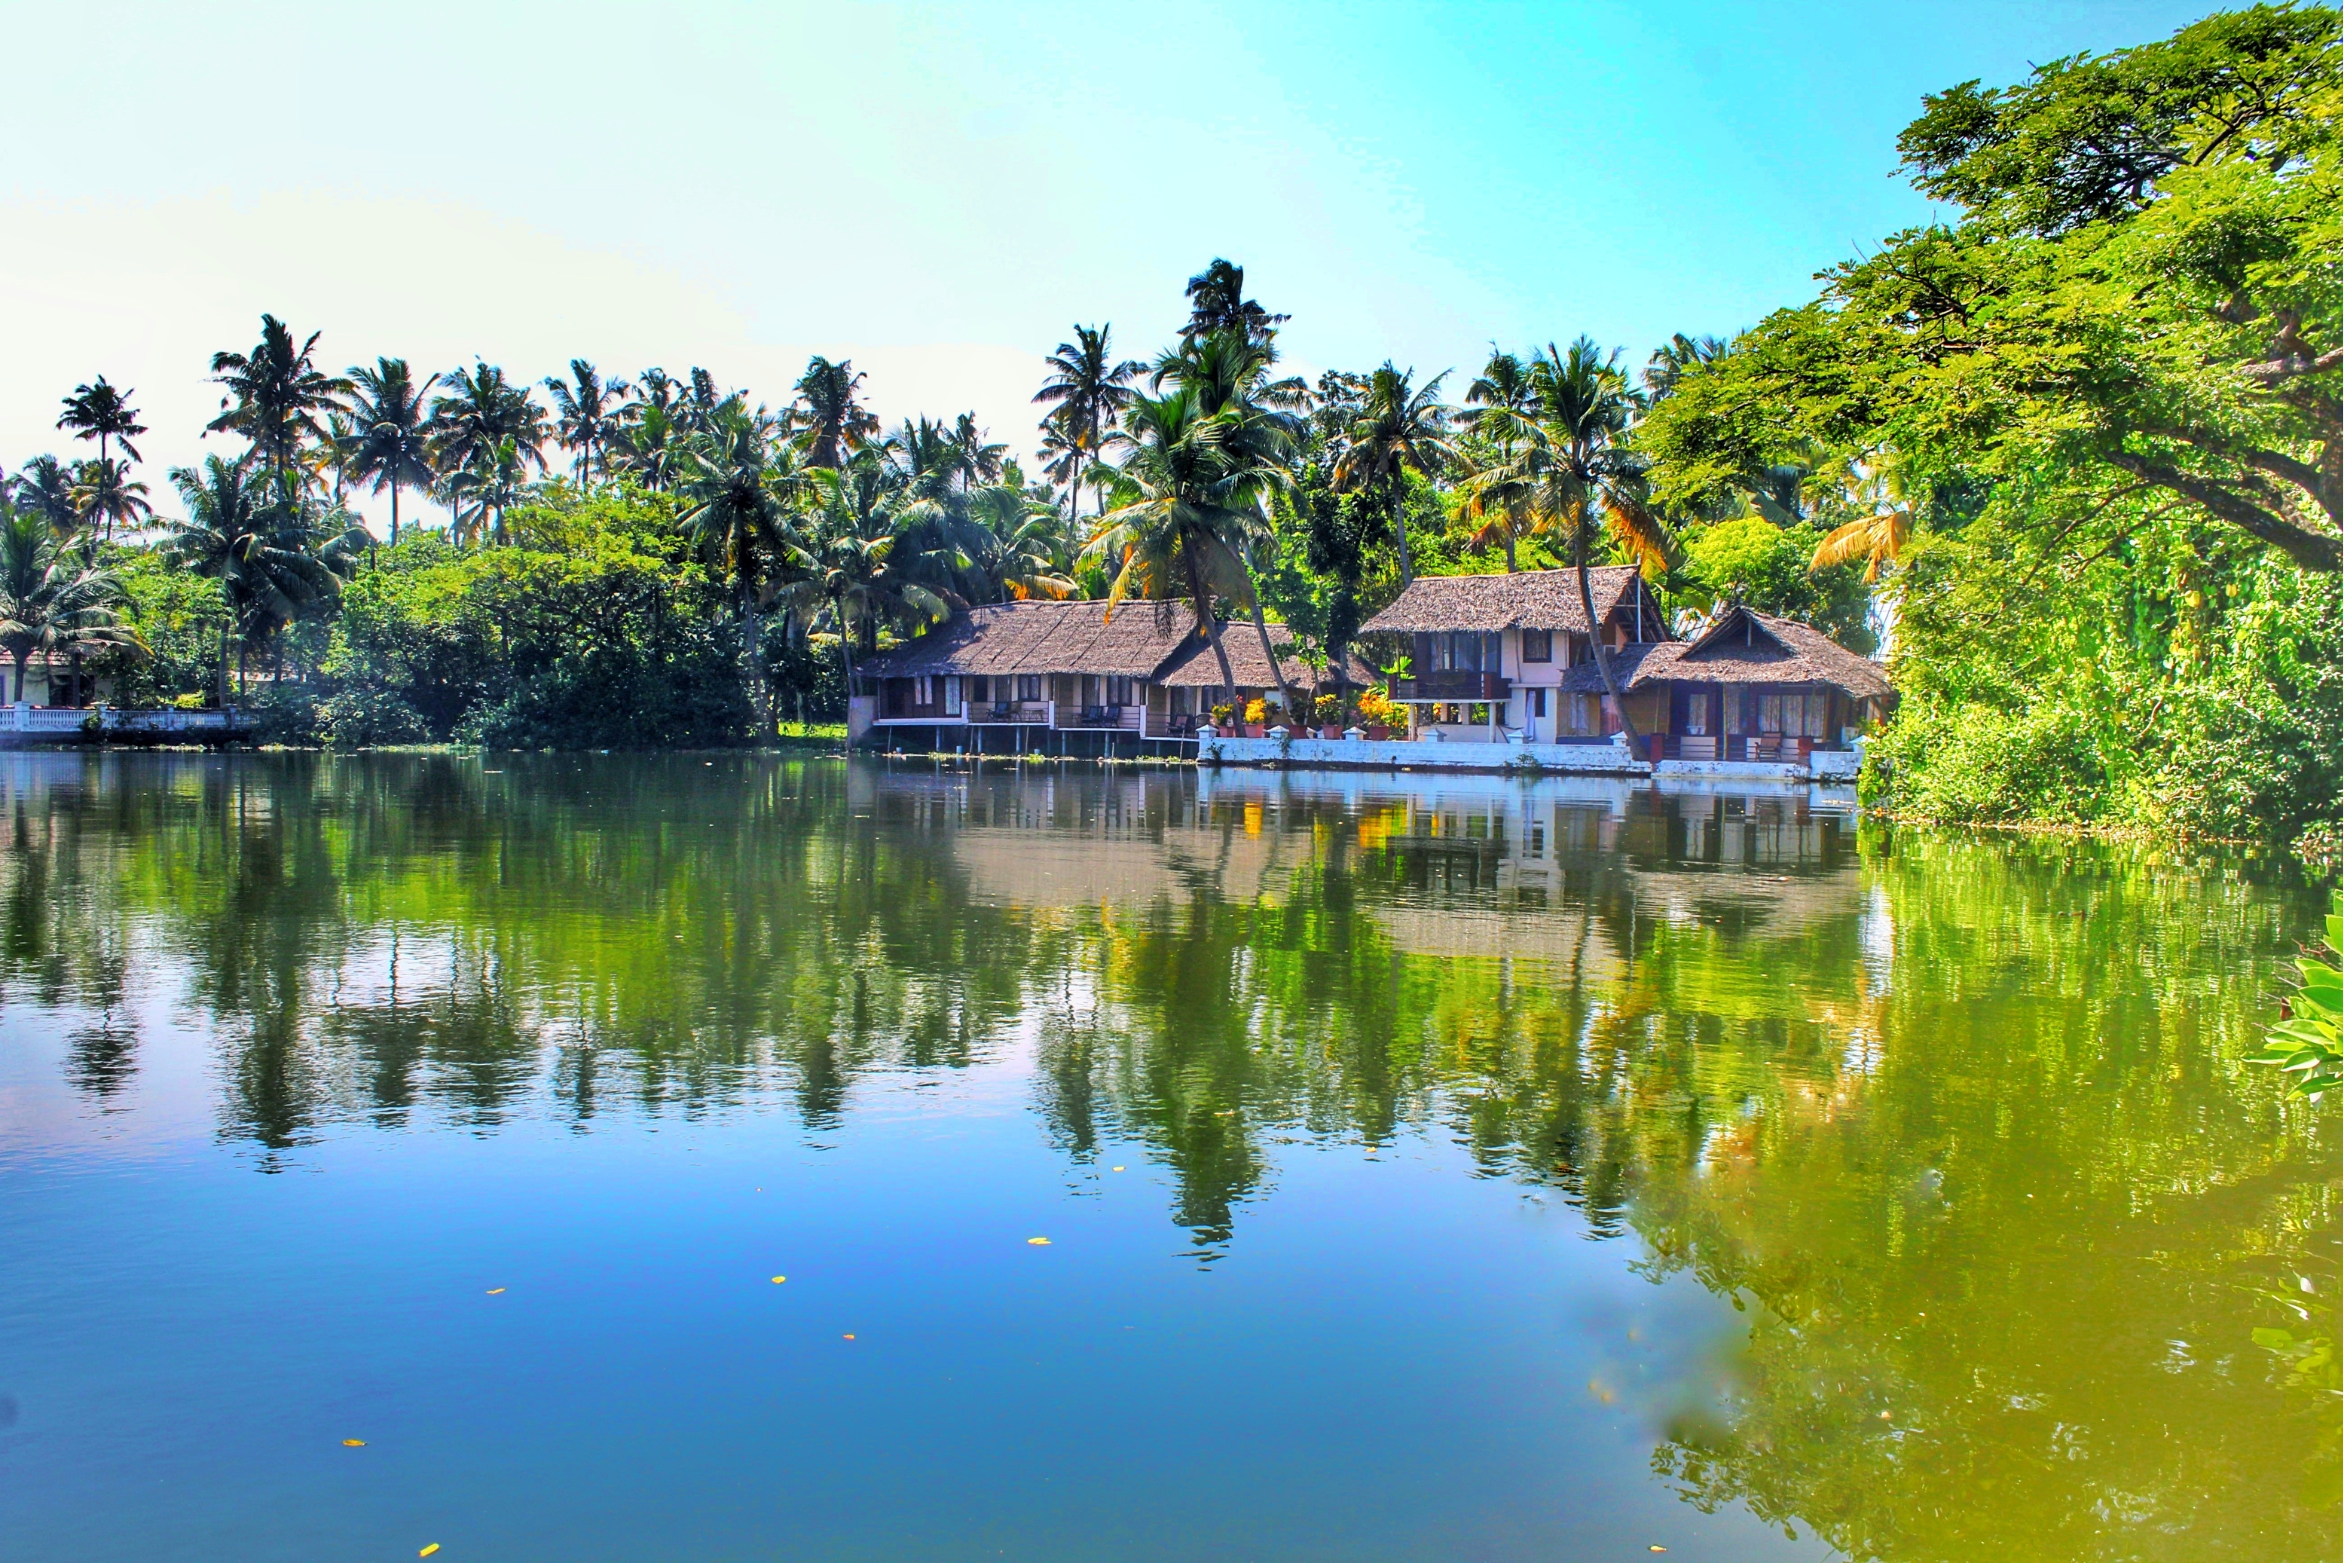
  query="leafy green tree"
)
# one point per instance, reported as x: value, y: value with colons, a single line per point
x: 483, y: 491
x: 391, y: 447
x: 1749, y: 559
x: 2140, y: 294
x: 277, y: 397
x: 850, y: 580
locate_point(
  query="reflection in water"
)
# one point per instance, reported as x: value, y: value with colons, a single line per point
x: 1957, y: 1124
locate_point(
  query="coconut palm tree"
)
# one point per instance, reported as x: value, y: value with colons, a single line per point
x: 738, y: 495
x: 480, y: 492
x: 588, y: 417
x: 851, y: 579
x: 1577, y: 476
x: 1492, y: 506
x: 1086, y: 392
x: 277, y: 396
x: 828, y: 419
x: 100, y: 412
x: 482, y: 410
x: 276, y: 553
x: 1217, y: 302
x: 103, y: 493
x: 1400, y: 429
x: 54, y: 598
x: 1182, y: 534
x: 1678, y: 357
x: 652, y: 447
x: 1030, y: 556
x: 45, y: 486
x: 392, y: 438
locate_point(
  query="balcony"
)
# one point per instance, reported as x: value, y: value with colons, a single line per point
x: 1453, y: 684
x: 1010, y: 713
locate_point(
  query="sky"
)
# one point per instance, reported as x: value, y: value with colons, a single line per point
x: 938, y: 192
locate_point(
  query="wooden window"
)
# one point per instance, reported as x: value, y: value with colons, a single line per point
x: 1770, y: 712
x: 980, y: 689
x: 951, y: 695
x: 1537, y: 700
x: 1538, y: 646
x: 923, y: 691
x: 1180, y: 700
x: 1029, y: 686
x: 1119, y: 692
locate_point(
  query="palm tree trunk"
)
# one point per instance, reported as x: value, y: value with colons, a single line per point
x: 1400, y: 532
x: 394, y: 515
x: 22, y: 657
x: 1261, y: 627
x: 224, y: 700
x: 753, y: 653
x: 1603, y: 662
x: 1228, y: 678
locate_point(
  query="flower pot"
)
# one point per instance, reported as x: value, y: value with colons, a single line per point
x: 1254, y: 729
x: 1330, y: 730
x: 1377, y: 732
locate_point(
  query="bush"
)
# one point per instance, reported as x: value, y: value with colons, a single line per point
x: 368, y: 715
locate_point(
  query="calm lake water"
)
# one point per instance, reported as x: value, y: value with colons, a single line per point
x: 1484, y: 1170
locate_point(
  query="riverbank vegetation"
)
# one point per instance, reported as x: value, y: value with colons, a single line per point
x: 2069, y: 457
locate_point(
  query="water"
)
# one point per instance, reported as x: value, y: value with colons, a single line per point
x: 1487, y: 1171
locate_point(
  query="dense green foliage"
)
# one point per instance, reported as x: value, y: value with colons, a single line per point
x: 2102, y: 404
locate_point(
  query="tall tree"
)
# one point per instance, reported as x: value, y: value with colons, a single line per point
x: 100, y: 412
x: 1401, y: 428
x: 589, y: 414
x: 1496, y: 508
x: 277, y: 396
x: 392, y: 448
x: 1086, y: 392
x: 828, y: 417
x: 738, y: 495
x: 1577, y: 477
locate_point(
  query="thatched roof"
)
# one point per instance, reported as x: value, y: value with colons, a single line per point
x: 1045, y: 637
x: 1527, y: 599
x: 1199, y: 669
x: 1743, y: 646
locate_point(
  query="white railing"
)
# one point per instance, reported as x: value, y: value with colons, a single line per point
x: 59, y: 721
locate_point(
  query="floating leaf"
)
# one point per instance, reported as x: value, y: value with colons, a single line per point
x: 1118, y: 1169
x: 1039, y: 1242
x: 428, y: 1551
x: 777, y: 1280
x: 496, y: 1291
x: 846, y: 1337
x: 354, y: 1443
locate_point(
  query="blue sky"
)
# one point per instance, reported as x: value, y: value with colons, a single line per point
x: 941, y: 191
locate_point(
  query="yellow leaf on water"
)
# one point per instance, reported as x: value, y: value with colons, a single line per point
x: 1118, y: 1169
x: 1039, y: 1242
x: 495, y: 1291
x: 354, y: 1443
x: 428, y: 1551
x: 777, y: 1280
x: 846, y: 1337
x: 1656, y: 1549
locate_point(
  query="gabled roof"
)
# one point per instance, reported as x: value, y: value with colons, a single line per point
x: 1045, y: 637
x: 1198, y: 668
x: 1743, y: 646
x: 1526, y: 599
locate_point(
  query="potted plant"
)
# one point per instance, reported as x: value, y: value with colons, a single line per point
x: 1329, y: 711
x: 1375, y: 714
x: 1257, y: 716
x: 1224, y: 718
